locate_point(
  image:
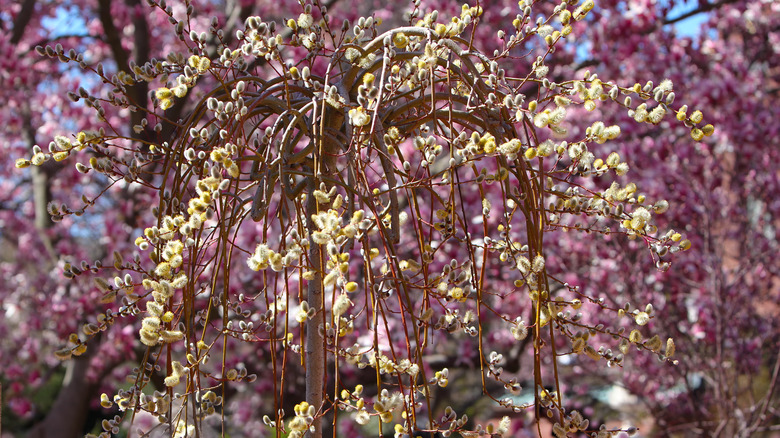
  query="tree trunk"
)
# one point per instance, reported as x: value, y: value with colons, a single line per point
x: 315, y: 343
x: 69, y: 412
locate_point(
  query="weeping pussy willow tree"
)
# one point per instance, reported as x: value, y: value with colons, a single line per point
x: 377, y: 197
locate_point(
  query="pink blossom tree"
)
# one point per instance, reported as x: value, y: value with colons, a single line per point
x: 725, y: 322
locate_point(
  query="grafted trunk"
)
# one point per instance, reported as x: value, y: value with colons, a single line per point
x: 315, y: 344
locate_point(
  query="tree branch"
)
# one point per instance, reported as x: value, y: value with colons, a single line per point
x: 706, y: 7
x: 112, y: 34
x: 20, y: 24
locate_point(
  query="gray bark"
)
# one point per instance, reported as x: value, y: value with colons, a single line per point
x: 315, y: 343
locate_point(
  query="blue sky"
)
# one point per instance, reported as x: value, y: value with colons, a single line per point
x: 690, y: 26
x: 67, y: 21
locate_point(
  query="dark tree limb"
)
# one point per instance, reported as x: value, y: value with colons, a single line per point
x: 112, y: 34
x: 69, y: 412
x: 703, y: 7
x: 20, y: 24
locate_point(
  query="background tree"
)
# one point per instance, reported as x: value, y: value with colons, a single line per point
x: 719, y: 296
x: 745, y: 282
